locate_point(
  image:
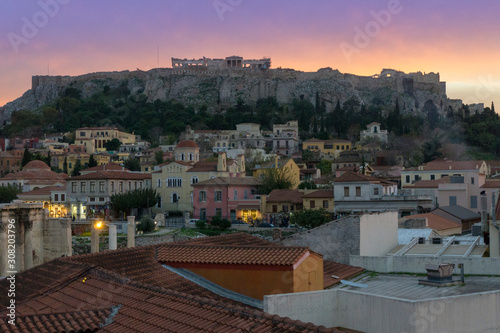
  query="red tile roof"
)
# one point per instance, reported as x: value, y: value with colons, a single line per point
x: 112, y: 175
x: 231, y: 255
x: 452, y: 165
x: 203, y: 167
x: 72, y: 321
x: 232, y: 181
x: 293, y: 196
x: 186, y: 144
x: 319, y: 194
x: 43, y: 191
x: 436, y: 222
x: 235, y: 239
x: 351, y: 177
x: 490, y: 183
x: 333, y: 272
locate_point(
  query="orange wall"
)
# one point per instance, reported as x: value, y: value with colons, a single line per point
x: 252, y: 283
x: 308, y: 276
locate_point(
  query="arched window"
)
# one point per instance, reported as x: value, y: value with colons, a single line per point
x: 194, y: 179
x: 175, y: 198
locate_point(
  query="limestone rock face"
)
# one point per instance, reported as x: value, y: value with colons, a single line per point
x: 198, y: 87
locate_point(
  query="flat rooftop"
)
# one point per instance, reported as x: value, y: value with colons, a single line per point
x: 406, y: 287
x: 433, y: 249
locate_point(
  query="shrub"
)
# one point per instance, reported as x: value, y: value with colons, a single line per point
x: 201, y: 224
x: 147, y: 224
x: 220, y: 223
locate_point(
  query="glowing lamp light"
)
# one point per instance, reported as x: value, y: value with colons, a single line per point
x: 98, y: 225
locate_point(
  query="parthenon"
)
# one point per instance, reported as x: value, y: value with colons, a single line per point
x: 232, y: 62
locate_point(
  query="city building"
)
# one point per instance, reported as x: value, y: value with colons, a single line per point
x: 35, y: 174
x: 373, y: 130
x: 94, y: 138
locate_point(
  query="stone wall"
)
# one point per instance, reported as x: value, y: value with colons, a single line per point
x: 336, y: 240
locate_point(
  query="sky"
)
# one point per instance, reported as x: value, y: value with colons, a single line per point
x: 457, y: 38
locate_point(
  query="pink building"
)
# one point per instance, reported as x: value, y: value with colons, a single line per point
x: 231, y: 198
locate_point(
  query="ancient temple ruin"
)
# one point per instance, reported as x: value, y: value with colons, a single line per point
x: 233, y: 62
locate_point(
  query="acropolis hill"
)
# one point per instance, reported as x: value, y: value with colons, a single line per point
x: 220, y: 83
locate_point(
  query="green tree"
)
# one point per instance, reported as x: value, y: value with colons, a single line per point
x: 307, y: 156
x: 113, y: 145
x: 140, y: 199
x: 310, y: 218
x: 431, y: 149
x: 27, y: 157
x: 8, y: 193
x: 65, y: 165
x: 307, y: 185
x: 158, y: 157
x: 276, y: 179
x: 325, y: 166
x: 132, y: 164
x: 92, y: 162
x: 76, y: 168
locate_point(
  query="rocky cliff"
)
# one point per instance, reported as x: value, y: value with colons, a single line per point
x: 198, y: 87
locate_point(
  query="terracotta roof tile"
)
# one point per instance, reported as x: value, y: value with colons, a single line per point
x: 293, y: 196
x: 112, y: 175
x: 106, y: 167
x: 203, y: 167
x: 452, y: 165
x: 319, y: 194
x: 42, y: 191
x: 490, y: 183
x: 187, y: 143
x: 333, y: 272
x: 235, y: 239
x: 350, y: 177
x: 436, y: 222
x: 231, y: 255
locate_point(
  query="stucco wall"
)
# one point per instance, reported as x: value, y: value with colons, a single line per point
x: 308, y: 276
x: 379, y: 233
x: 375, y: 314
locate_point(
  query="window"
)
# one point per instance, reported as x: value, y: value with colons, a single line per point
x: 82, y: 133
x: 92, y: 187
x: 175, y: 198
x: 130, y: 186
x: 245, y: 194
x: 358, y: 191
x: 407, y: 179
x: 453, y: 200
x: 218, y: 211
x: 174, y: 182
x: 218, y: 196
x: 203, y: 196
x: 121, y: 186
x: 375, y: 191
x: 158, y: 204
x: 433, y: 177
x: 235, y: 197
x: 56, y: 197
x: 325, y: 203
x: 135, y: 185
x: 83, y: 187
x: 415, y: 178
x: 346, y: 191
x: 112, y: 186
x: 101, y: 186
x: 275, y: 208
x: 203, y: 213
x: 194, y: 179
x: 472, y: 180
x: 63, y: 197
x: 312, y: 204
x: 158, y: 183
x: 473, y: 201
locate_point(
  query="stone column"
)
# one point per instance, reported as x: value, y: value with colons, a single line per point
x: 186, y: 220
x: 94, y: 238
x: 28, y: 247
x: 130, y: 231
x: 112, y: 237
x: 66, y: 237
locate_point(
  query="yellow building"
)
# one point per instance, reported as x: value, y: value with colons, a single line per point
x: 327, y: 147
x: 53, y: 199
x: 287, y: 165
x: 94, y: 138
x: 317, y: 199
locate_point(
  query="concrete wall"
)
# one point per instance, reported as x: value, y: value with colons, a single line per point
x: 335, y: 240
x: 369, y: 313
x: 416, y: 264
x: 378, y: 233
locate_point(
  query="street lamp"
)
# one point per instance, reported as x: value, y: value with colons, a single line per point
x: 97, y: 226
